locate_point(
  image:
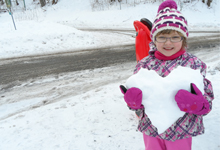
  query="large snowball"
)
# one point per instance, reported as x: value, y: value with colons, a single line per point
x: 159, y: 93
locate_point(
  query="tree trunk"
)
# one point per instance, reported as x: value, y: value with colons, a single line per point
x: 209, y: 3
x: 54, y: 2
x: 43, y: 3
x: 17, y: 2
x: 203, y: 1
x: 1, y: 2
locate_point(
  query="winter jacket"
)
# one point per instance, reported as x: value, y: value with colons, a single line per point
x: 189, y: 125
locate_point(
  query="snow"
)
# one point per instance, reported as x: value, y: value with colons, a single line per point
x: 55, y: 28
x: 159, y: 100
x: 85, y: 109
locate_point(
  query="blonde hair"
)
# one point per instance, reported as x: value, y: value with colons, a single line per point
x: 169, y: 31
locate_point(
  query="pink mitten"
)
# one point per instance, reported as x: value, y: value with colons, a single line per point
x: 133, y: 97
x: 193, y: 103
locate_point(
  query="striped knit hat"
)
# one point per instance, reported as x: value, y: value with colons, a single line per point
x: 169, y: 18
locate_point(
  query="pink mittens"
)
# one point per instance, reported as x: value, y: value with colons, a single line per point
x: 133, y: 97
x: 193, y: 103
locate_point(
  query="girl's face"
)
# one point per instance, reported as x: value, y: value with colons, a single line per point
x: 169, y: 48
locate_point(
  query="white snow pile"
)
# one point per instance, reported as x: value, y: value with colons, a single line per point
x: 159, y: 93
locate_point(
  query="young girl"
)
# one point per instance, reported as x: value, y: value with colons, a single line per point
x: 168, y: 51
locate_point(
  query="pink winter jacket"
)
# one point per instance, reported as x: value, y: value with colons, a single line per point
x: 189, y: 125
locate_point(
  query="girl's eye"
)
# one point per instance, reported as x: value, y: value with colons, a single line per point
x: 162, y: 38
x: 176, y: 37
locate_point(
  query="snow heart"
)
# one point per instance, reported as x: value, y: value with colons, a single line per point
x: 158, y: 93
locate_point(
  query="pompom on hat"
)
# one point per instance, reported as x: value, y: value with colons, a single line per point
x: 168, y: 17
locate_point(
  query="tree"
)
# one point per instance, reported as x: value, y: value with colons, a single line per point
x: 43, y: 3
x: 1, y: 2
x: 54, y: 2
x: 209, y: 3
x: 17, y: 2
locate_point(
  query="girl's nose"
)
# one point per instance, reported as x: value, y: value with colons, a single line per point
x: 168, y: 41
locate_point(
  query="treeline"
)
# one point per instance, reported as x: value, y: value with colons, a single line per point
x: 101, y: 4
x: 106, y: 4
x: 208, y: 2
x: 42, y: 2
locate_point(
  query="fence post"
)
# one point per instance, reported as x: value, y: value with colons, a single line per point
x: 120, y: 3
x: 10, y: 12
x: 8, y: 4
x: 24, y: 5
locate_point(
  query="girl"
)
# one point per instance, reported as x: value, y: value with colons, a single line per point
x: 168, y: 51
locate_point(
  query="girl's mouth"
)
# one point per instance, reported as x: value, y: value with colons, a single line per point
x: 168, y: 49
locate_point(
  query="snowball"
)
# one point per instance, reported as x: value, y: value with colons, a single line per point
x: 159, y: 93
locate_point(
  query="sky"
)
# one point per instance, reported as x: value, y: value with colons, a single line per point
x: 85, y: 109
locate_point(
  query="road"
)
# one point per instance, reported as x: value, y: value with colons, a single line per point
x: 16, y: 70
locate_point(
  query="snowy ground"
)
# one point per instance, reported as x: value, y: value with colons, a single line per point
x: 85, y: 110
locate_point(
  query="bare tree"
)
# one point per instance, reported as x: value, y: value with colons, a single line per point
x: 54, y: 2
x: 1, y: 2
x: 17, y: 2
x: 43, y: 3
x: 209, y: 3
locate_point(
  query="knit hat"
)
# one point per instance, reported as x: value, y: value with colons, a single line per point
x: 169, y: 18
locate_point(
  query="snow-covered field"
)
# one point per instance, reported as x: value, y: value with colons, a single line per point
x: 85, y: 110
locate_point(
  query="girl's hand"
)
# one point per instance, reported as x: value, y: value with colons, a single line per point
x: 133, y: 97
x: 193, y: 103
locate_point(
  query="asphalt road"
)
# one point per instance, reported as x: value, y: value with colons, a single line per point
x: 16, y: 70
